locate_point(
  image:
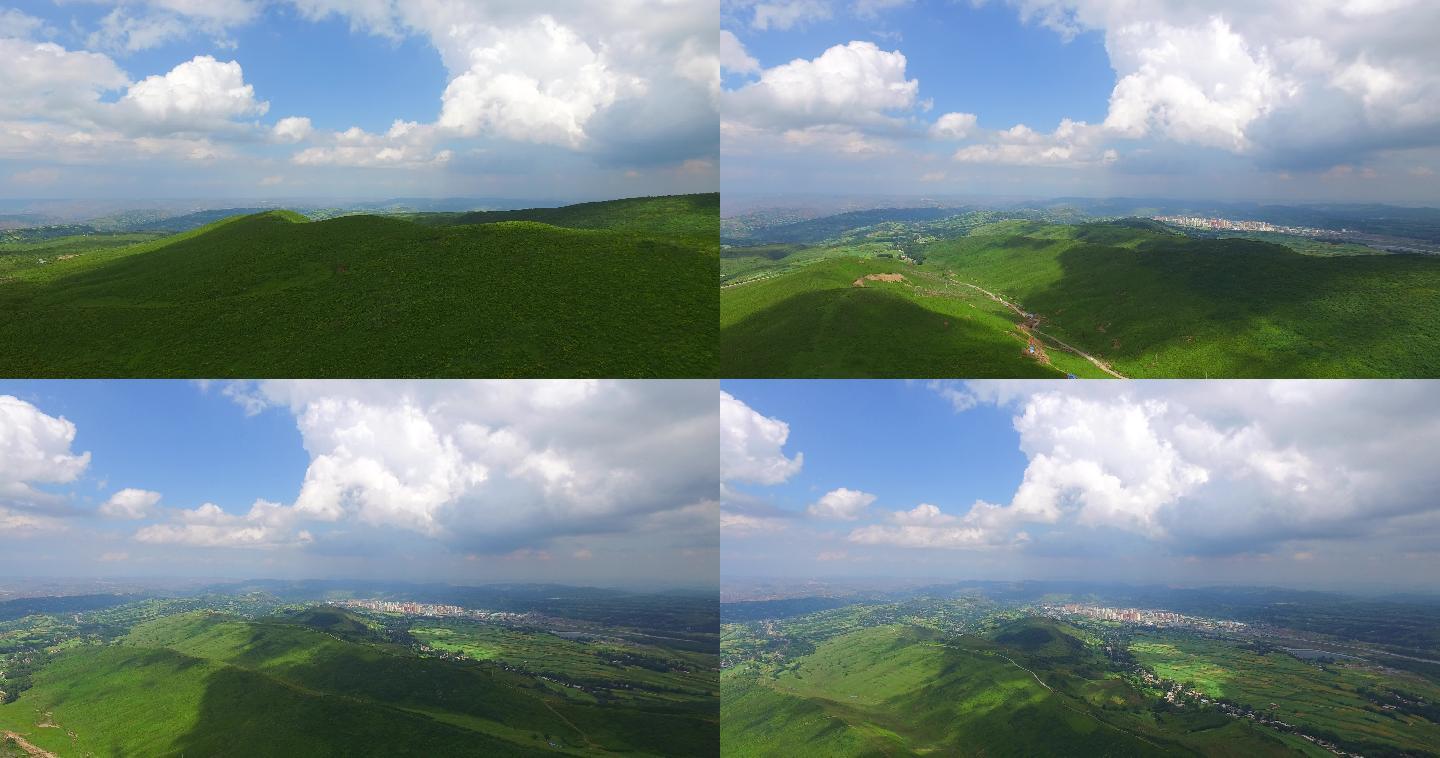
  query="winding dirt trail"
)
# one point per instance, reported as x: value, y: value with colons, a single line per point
x: 1102, y: 365
x: 569, y: 723
x: 1028, y: 671
x: 27, y: 746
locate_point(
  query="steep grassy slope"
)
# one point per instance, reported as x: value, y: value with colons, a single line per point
x: 206, y: 684
x: 368, y: 296
x: 1157, y: 304
x: 817, y: 322
x: 1147, y: 302
x: 897, y: 690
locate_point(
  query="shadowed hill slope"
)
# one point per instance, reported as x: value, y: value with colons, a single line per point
x: 209, y: 684
x: 897, y: 690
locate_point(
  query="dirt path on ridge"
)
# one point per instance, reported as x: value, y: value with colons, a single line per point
x: 26, y: 745
x: 570, y: 724
x: 1027, y: 327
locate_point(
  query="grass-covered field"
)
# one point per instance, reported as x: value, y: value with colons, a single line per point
x: 623, y: 289
x: 819, y: 322
x: 1029, y: 688
x: 1327, y: 699
x: 695, y: 218
x: 325, y: 682
x: 1145, y: 301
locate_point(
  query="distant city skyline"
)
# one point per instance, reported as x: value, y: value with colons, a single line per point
x: 558, y: 99
x: 1316, y: 485
x: 469, y: 483
x: 1329, y: 101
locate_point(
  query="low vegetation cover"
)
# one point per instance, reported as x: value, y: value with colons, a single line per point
x: 249, y: 675
x: 981, y: 295
x: 966, y: 675
x: 620, y: 289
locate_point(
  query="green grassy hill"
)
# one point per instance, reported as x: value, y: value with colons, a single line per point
x: 1343, y: 703
x: 209, y: 684
x: 367, y: 296
x: 817, y: 322
x: 899, y: 690
x: 693, y: 217
x: 1147, y: 302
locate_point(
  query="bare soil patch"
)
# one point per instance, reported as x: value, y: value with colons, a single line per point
x: 25, y: 745
x: 878, y: 278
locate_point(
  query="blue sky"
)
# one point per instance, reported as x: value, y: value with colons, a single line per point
x: 966, y: 58
x: 192, y: 446
x: 450, y: 481
x: 1285, y: 483
x: 501, y: 99
x: 1228, y: 100
x: 961, y: 459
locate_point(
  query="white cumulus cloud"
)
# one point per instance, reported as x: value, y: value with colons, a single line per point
x: 841, y: 504
x: 733, y: 56
x: 856, y: 84
x: 536, y: 83
x: 202, y: 94
x: 131, y: 504
x: 35, y: 449
x: 292, y: 129
x: 752, y: 445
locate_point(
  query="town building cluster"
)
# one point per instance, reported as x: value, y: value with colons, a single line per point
x: 1142, y: 616
x: 435, y: 610
x: 1225, y: 224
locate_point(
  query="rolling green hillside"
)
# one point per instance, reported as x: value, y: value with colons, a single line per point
x: 692, y: 217
x: 1141, y: 300
x: 209, y: 684
x: 828, y: 320
x: 1033, y: 688
x: 367, y: 296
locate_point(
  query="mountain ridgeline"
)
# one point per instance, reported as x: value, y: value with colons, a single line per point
x: 617, y: 289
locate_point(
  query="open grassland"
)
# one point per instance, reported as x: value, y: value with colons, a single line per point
x: 840, y: 318
x: 601, y: 667
x: 1324, y: 699
x: 21, y: 256
x: 366, y: 296
x: 695, y: 218
x: 1145, y: 301
x: 321, y: 683
x: 1032, y: 688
